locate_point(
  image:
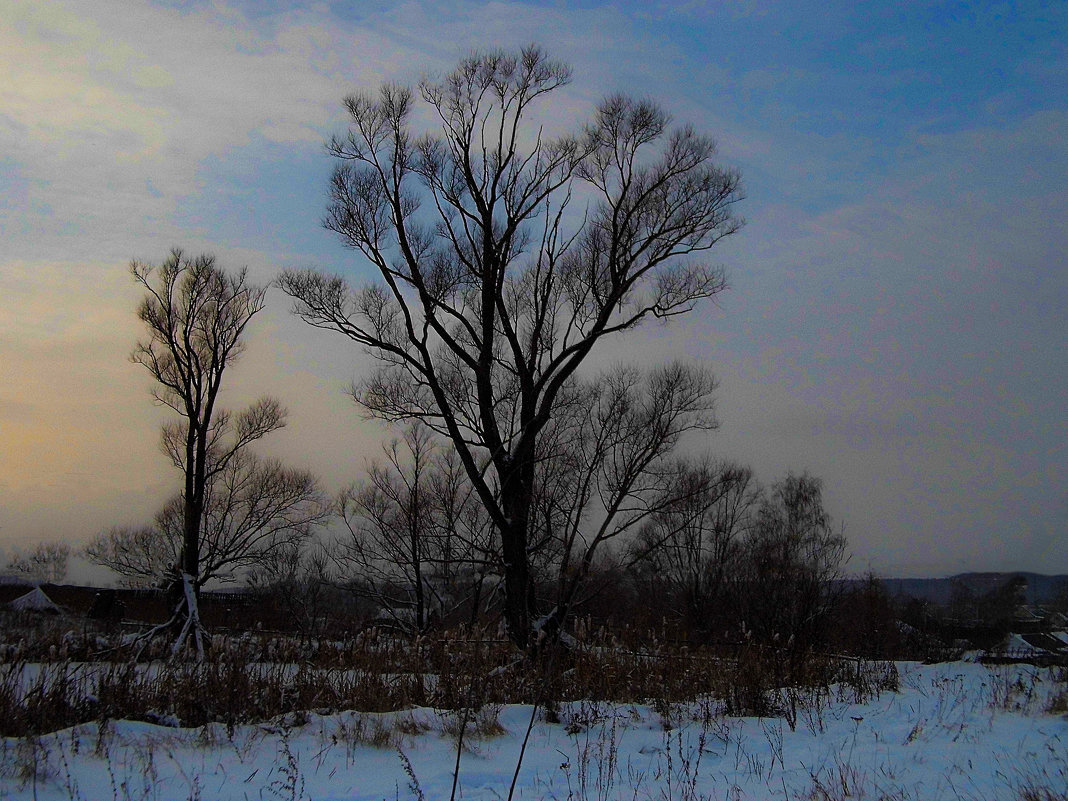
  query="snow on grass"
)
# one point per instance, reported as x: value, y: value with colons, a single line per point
x: 954, y: 731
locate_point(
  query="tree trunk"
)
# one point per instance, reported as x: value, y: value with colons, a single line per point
x: 191, y: 540
x: 516, y: 495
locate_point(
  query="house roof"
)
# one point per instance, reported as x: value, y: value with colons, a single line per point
x: 35, y: 600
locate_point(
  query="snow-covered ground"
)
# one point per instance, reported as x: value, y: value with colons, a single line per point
x: 954, y: 731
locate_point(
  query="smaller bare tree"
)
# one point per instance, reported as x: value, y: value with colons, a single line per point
x: 689, y: 550
x: 196, y: 315
x: 792, y: 559
x: 788, y: 579
x: 45, y: 562
x: 466, y: 564
x: 296, y: 577
x: 607, y: 466
x: 387, y: 550
x: 416, y: 542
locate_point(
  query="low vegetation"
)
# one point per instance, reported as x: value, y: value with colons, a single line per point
x: 252, y: 678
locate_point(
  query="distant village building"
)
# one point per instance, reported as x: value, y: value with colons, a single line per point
x: 36, y: 601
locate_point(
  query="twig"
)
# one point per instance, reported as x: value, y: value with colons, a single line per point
x: 522, y: 750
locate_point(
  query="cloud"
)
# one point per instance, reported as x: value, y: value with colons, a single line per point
x: 902, y: 342
x: 113, y: 118
x: 105, y: 100
x: 896, y: 297
x: 115, y: 113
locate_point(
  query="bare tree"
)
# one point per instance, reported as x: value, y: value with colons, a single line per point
x: 253, y: 509
x: 416, y: 545
x: 605, y: 467
x: 690, y: 548
x: 494, y: 291
x: 467, y: 565
x: 297, y: 579
x: 792, y: 558
x: 788, y: 578
x: 46, y: 561
x: 196, y: 315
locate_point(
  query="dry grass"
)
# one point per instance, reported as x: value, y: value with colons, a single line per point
x: 257, y: 678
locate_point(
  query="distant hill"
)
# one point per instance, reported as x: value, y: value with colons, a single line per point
x: 1040, y: 588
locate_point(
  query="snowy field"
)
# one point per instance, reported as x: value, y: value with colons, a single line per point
x: 953, y: 731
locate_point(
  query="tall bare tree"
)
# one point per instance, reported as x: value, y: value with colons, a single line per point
x: 494, y: 289
x: 196, y: 315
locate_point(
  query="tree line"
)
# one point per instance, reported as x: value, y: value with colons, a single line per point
x: 504, y: 256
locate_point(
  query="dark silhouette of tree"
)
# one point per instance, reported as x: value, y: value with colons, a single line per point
x: 689, y: 550
x: 296, y: 580
x: 865, y: 621
x: 790, y: 565
x: 417, y: 541
x: 46, y: 561
x: 788, y: 581
x: 196, y: 315
x: 254, y: 509
x: 494, y: 288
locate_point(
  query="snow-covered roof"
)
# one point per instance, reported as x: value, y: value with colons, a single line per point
x: 35, y: 600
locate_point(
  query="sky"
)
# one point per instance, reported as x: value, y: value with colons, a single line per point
x: 895, y: 322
